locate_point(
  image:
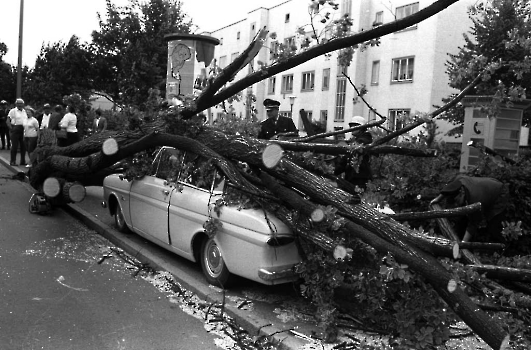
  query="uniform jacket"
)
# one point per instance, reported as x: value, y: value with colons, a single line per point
x: 271, y: 127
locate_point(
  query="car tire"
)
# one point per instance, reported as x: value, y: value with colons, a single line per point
x: 213, y: 265
x: 119, y: 220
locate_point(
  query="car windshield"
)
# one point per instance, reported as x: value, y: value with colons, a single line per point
x: 175, y: 165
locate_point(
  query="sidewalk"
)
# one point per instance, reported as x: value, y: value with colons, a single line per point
x: 268, y: 310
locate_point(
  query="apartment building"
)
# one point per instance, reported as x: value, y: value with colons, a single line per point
x: 404, y: 75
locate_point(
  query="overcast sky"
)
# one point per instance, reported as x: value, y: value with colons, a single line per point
x: 50, y: 21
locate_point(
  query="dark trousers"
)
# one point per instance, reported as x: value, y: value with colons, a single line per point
x: 31, y: 144
x: 4, y: 136
x: 17, y: 138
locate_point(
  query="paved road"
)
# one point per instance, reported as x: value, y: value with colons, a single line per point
x: 55, y: 295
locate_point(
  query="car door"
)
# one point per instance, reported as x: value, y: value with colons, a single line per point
x: 150, y: 196
x: 190, y: 204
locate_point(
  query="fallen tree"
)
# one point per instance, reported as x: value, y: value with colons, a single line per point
x: 353, y: 227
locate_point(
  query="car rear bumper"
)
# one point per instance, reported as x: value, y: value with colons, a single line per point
x: 279, y: 274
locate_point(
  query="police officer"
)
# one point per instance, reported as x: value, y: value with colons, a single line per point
x: 275, y: 124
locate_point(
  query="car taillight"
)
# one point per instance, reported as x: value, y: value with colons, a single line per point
x: 280, y: 241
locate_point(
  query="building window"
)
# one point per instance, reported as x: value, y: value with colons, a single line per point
x: 287, y: 84
x: 375, y: 74
x: 286, y: 19
x: 403, y: 69
x: 221, y: 41
x: 397, y: 118
x: 342, y: 70
x: 309, y: 115
x: 323, y: 118
x: 372, y: 115
x: 222, y: 62
x: 340, y: 100
x: 407, y: 10
x: 271, y: 85
x: 346, y: 7
x: 286, y: 114
x: 378, y: 19
x: 233, y: 56
x: 326, y: 78
x: 238, y: 36
x: 307, y: 81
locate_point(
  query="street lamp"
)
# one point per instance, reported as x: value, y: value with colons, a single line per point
x: 291, y: 102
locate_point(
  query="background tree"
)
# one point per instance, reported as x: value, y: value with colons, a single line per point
x: 60, y: 70
x: 500, y: 43
x: 130, y: 50
x: 7, y: 77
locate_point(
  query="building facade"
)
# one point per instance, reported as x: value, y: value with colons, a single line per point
x: 404, y: 75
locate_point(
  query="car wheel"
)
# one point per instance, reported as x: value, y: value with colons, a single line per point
x: 119, y: 220
x: 213, y: 265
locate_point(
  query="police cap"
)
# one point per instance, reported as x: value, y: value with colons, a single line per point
x: 271, y: 104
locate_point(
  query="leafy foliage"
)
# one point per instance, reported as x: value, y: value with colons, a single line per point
x: 409, y: 183
x: 517, y: 177
x: 232, y: 124
x: 500, y: 46
x: 61, y: 69
x: 7, y: 77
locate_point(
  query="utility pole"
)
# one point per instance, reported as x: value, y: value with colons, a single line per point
x: 19, y: 66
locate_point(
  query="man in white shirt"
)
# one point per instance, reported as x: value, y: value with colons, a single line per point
x: 45, y: 118
x: 15, y: 122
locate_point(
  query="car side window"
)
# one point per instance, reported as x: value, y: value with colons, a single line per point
x: 168, y: 164
x: 201, y: 172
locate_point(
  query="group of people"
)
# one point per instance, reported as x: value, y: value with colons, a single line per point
x: 20, y: 128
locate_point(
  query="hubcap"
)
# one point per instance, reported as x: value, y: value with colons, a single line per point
x: 214, y: 260
x: 120, y: 217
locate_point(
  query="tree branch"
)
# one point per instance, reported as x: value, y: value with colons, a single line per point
x: 228, y: 73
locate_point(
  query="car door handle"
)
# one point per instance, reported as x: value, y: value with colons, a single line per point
x: 166, y: 192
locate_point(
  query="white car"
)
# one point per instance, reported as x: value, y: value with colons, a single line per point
x: 170, y: 207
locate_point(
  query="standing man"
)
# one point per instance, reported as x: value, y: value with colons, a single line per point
x: 100, y: 123
x: 275, y: 124
x: 16, y: 119
x: 4, y: 130
x: 44, y: 119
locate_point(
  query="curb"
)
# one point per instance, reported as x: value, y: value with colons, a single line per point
x: 251, y: 323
